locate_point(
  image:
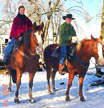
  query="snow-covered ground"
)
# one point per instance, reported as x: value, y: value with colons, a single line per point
x: 94, y: 95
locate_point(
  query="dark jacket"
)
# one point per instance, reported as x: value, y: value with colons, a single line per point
x: 18, y: 28
x: 66, y: 32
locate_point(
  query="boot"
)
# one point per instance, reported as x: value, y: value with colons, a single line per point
x: 5, y: 62
x: 61, y: 68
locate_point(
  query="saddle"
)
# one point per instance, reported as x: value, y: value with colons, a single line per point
x: 57, y: 52
x: 16, y: 46
x: 71, y: 51
x: 19, y: 41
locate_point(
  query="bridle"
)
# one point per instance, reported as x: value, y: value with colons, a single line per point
x: 83, y: 63
x: 34, y: 36
x: 92, y: 49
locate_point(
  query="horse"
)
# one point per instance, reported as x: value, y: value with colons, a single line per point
x: 26, y: 59
x: 79, y: 64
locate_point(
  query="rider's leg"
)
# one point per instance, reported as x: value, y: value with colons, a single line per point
x: 62, y: 58
x: 8, y: 49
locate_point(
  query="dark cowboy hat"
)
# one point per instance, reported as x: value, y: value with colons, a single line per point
x: 68, y: 16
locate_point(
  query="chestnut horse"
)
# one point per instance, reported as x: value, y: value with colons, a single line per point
x: 78, y: 65
x: 26, y: 58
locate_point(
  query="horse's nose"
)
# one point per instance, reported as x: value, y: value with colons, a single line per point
x: 101, y: 61
x: 39, y: 50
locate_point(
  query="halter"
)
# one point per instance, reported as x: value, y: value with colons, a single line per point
x: 92, y: 51
x: 83, y: 63
x: 32, y: 54
x: 33, y: 38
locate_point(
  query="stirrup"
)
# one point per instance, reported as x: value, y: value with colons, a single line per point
x: 5, y: 62
x: 62, y: 72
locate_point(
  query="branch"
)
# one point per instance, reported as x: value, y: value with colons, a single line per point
x: 9, y: 21
x: 48, y: 21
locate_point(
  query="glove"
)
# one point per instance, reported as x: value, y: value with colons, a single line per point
x: 74, y: 39
x: 20, y: 38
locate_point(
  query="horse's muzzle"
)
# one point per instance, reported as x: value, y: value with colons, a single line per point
x: 39, y: 50
x: 100, y: 61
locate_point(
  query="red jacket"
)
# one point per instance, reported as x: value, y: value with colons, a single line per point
x: 17, y: 28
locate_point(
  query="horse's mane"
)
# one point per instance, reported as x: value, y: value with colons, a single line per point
x: 27, y: 40
x: 81, y: 43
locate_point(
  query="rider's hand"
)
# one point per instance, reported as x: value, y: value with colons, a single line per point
x: 74, y: 39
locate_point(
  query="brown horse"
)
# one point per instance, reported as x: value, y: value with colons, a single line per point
x: 78, y: 65
x: 26, y: 58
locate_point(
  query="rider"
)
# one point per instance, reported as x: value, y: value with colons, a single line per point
x: 21, y: 24
x: 67, y: 34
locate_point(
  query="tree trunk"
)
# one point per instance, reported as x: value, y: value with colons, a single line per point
x: 99, y: 73
x: 48, y: 21
x: 102, y: 22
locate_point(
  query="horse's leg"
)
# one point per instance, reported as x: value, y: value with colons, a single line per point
x: 10, y: 79
x: 10, y: 83
x: 31, y: 77
x: 70, y: 79
x: 48, y: 70
x: 18, y: 83
x: 53, y: 79
x: 81, y: 78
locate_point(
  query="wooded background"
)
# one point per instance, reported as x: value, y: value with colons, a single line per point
x: 48, y: 11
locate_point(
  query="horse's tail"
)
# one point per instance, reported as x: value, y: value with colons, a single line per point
x: 48, y: 51
x: 14, y: 75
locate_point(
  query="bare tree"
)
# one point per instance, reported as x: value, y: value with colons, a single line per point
x: 42, y: 10
x: 8, y: 13
x: 102, y: 21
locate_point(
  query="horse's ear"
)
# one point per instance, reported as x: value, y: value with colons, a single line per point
x: 92, y: 37
x: 101, y: 40
x: 42, y: 25
x: 100, y: 37
x: 34, y: 25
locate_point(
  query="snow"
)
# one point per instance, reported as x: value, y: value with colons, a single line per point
x: 94, y: 95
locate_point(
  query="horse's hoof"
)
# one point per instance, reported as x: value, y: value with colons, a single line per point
x: 16, y: 100
x: 49, y: 92
x: 62, y: 72
x: 82, y: 99
x: 67, y: 98
x: 54, y: 89
x: 9, y: 90
x: 32, y: 101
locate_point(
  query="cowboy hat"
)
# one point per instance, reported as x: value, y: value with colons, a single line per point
x: 68, y: 16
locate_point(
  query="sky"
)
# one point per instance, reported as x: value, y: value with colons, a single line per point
x: 93, y: 7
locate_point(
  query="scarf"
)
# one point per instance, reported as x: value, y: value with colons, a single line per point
x: 22, y: 17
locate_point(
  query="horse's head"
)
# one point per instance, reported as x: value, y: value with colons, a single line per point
x: 38, y: 34
x: 97, y: 49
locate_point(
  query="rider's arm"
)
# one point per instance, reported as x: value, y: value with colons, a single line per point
x: 13, y: 28
x: 74, y: 36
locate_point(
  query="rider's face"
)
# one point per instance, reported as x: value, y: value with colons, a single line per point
x: 22, y: 11
x: 68, y: 20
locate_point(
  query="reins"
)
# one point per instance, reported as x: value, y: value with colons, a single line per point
x: 83, y: 63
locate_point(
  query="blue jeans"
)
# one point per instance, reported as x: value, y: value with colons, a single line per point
x: 63, y: 54
x: 9, y: 48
